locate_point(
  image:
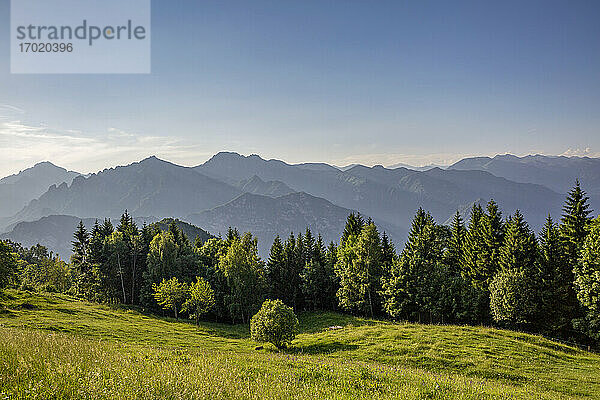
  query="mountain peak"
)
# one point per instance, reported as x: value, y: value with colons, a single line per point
x: 46, y: 164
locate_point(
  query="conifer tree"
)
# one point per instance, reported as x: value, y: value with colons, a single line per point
x: 516, y: 290
x: 275, y: 270
x: 454, y: 253
x: 79, y: 259
x: 353, y: 228
x: 575, y: 221
x: 387, y: 252
x: 318, y: 285
x: 414, y: 285
x: 560, y: 301
x: 359, y: 269
x: 519, y: 249
x: 587, y: 281
x: 482, y: 245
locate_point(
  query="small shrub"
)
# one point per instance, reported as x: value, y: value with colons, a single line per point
x: 274, y: 323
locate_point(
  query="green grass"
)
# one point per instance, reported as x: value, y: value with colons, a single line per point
x: 53, y: 346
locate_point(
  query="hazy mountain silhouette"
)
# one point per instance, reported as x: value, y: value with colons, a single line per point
x: 266, y: 217
x: 17, y: 190
x: 393, y: 195
x: 149, y: 187
x: 556, y: 173
x: 271, y: 197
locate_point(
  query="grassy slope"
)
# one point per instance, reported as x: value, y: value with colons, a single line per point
x: 102, y: 352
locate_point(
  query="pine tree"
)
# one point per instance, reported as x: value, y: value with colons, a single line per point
x: 575, y: 221
x: 317, y: 279
x: 353, y: 228
x: 454, y: 254
x: 359, y: 269
x: 519, y: 249
x: 587, y: 282
x: 516, y: 290
x: 482, y: 245
x: 80, y: 248
x: 275, y: 273
x: 573, y: 230
x: 560, y: 299
x: 413, y: 287
x: 388, y: 253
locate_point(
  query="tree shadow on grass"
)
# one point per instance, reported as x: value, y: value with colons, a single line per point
x: 321, y: 348
x: 314, y: 321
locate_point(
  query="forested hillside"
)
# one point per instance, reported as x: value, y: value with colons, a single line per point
x: 490, y: 269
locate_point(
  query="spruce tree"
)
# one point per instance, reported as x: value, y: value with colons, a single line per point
x: 413, y: 288
x: 353, y: 228
x: 359, y: 269
x: 560, y: 300
x: 275, y: 273
x: 575, y: 221
x: 80, y: 247
x: 519, y: 249
x: 454, y: 253
x: 516, y: 290
x: 482, y: 247
x: 587, y: 282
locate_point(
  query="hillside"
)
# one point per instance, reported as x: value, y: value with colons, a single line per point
x: 191, y: 231
x: 62, y: 348
x: 56, y: 231
x: 266, y: 217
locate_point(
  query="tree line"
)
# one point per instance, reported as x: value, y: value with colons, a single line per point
x: 487, y: 270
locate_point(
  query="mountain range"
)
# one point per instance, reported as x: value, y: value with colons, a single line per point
x: 17, y: 190
x: 270, y: 197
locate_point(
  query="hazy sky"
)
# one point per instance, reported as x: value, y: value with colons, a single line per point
x: 334, y: 81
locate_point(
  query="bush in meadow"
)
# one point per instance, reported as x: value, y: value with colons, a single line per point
x: 274, y: 323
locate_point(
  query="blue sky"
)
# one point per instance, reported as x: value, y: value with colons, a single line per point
x: 333, y: 81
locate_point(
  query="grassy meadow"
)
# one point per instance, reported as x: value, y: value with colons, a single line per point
x: 55, y: 347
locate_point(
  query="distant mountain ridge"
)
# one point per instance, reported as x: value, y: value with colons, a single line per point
x: 267, y: 217
x: 555, y: 172
x: 271, y: 197
x: 17, y: 190
x: 393, y: 195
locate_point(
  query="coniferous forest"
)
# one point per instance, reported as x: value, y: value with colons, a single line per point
x: 490, y: 269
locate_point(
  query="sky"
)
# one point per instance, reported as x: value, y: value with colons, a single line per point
x: 341, y: 82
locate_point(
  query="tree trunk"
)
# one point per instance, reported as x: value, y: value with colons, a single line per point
x: 133, y: 279
x: 122, y: 282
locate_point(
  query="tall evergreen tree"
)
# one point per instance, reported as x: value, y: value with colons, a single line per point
x: 318, y: 283
x: 482, y: 245
x: 587, y: 282
x: 353, y: 228
x: 560, y: 301
x: 275, y: 271
x: 359, y: 269
x: 574, y: 227
x: 516, y: 291
x: 519, y: 249
x: 80, y: 246
x: 575, y: 221
x: 454, y: 253
x: 413, y: 287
